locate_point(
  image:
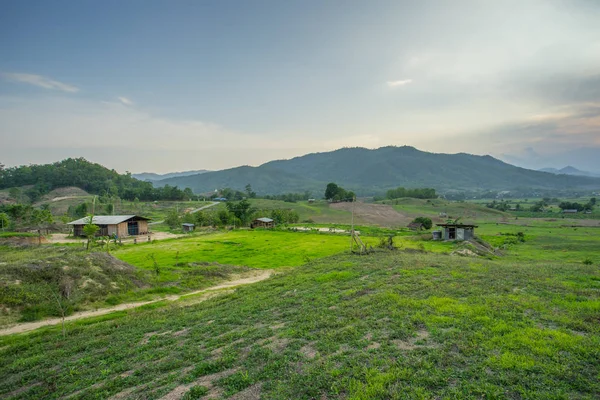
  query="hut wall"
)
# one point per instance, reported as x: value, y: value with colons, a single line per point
x: 142, y: 226
x: 122, y: 229
x: 112, y: 230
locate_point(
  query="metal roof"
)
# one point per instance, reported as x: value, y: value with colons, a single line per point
x: 105, y: 219
x: 458, y: 225
x: 187, y: 224
x: 264, y: 219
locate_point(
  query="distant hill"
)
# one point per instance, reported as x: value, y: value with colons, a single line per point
x: 91, y: 177
x: 569, y: 170
x: 368, y: 171
x: 151, y: 176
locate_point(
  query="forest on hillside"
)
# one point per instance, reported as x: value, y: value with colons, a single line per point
x: 91, y: 177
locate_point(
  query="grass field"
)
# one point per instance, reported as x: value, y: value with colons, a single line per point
x: 454, y: 209
x: 520, y: 323
x: 391, y: 325
x: 256, y: 249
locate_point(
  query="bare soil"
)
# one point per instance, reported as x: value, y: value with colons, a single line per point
x: 376, y: 214
x: 64, y: 238
x: 245, y: 279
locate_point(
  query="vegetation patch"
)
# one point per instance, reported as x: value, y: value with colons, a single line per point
x: 395, y: 323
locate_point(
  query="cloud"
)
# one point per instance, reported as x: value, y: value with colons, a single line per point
x: 125, y: 101
x: 41, y: 81
x: 399, y: 83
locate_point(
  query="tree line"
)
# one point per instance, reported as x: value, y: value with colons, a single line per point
x: 91, y: 177
x: 418, y: 193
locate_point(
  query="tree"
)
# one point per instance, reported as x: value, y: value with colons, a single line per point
x: 4, y: 221
x: 249, y: 192
x: 331, y: 190
x: 90, y: 230
x: 172, y: 219
x: 242, y: 210
x: 424, y: 221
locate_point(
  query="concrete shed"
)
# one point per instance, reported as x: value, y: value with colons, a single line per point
x: 110, y: 225
x: 457, y: 231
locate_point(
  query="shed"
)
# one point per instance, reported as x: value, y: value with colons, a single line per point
x: 436, y: 235
x: 415, y: 226
x: 570, y: 211
x: 262, y: 223
x: 457, y: 231
x: 187, y: 227
x: 111, y: 225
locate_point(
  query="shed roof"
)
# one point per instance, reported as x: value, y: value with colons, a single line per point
x: 264, y: 219
x: 187, y: 224
x: 106, y: 219
x: 458, y: 225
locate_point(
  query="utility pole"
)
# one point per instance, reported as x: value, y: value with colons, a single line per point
x: 352, y: 226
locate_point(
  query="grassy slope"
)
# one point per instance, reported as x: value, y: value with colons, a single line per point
x: 30, y: 274
x: 386, y: 326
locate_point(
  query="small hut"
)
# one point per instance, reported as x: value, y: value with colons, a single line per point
x: 187, y: 227
x: 113, y: 225
x: 457, y: 231
x: 262, y: 223
x: 415, y: 226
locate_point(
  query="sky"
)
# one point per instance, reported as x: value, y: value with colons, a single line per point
x: 163, y: 86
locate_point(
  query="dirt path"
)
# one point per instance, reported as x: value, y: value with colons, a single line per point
x: 378, y: 214
x: 64, y: 238
x: 253, y: 277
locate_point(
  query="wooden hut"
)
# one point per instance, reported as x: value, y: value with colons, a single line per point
x: 262, y: 223
x: 111, y: 225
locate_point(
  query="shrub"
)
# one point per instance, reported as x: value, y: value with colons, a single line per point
x: 587, y: 261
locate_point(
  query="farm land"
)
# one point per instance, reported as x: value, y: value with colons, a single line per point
x: 514, y: 317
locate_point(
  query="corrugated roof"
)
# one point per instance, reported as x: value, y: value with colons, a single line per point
x: 187, y: 224
x: 264, y: 219
x: 105, y: 219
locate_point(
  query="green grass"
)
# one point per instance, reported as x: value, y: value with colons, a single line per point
x: 318, y: 212
x: 31, y: 275
x: 17, y: 234
x: 454, y: 209
x: 391, y: 325
x: 256, y: 249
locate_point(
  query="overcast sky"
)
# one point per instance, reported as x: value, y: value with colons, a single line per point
x: 176, y: 85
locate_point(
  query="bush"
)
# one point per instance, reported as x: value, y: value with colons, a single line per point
x: 587, y: 261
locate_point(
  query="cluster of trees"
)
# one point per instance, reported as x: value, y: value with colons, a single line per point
x: 14, y: 216
x: 418, y: 193
x: 565, y: 205
x: 501, y: 205
x: 335, y: 193
x: 239, y: 213
x: 92, y: 177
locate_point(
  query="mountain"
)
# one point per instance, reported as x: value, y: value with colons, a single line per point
x: 151, y: 176
x: 368, y: 171
x: 569, y: 170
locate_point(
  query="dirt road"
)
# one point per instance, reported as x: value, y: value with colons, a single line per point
x: 253, y: 277
x: 378, y: 214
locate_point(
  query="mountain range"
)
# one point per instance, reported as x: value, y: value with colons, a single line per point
x: 368, y: 171
x: 569, y: 170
